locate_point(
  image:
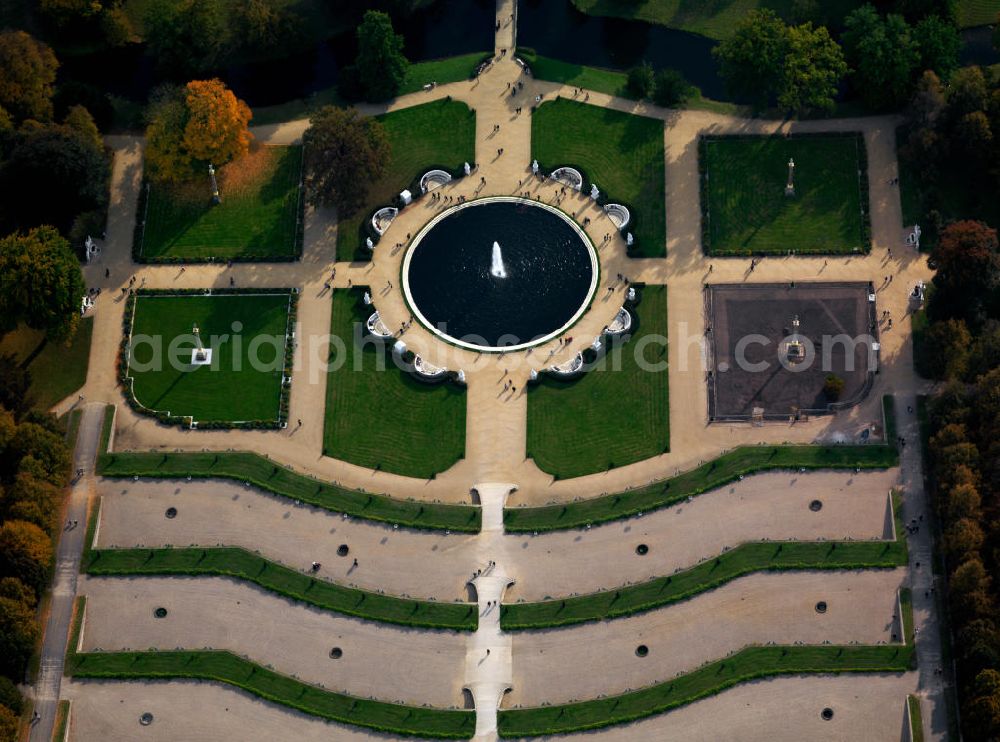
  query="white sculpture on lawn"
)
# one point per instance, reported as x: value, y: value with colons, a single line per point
x: 201, y: 356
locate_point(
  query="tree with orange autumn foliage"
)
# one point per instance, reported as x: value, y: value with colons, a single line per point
x: 25, y: 553
x: 216, y: 129
x: 190, y: 128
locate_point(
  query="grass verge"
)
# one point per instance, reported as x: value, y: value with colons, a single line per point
x: 916, y: 720
x: 441, y: 71
x: 263, y: 473
x: 742, y: 560
x: 55, y: 369
x: 752, y: 663
x: 616, y: 413
x: 730, y: 466
x: 61, y: 728
x: 290, y: 583
x: 440, y: 134
x: 628, y: 167
x: 107, y: 428
x: 225, y: 667
x: 378, y: 415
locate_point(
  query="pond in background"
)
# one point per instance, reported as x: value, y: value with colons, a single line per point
x: 555, y: 28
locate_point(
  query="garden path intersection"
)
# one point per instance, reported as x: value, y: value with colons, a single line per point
x: 492, y: 567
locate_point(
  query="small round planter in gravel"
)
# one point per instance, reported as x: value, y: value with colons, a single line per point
x: 146, y: 719
x: 160, y: 612
x: 821, y: 606
x: 171, y: 513
x: 816, y: 505
x: 336, y: 653
x: 343, y: 550
x: 642, y: 549
x: 827, y: 713
x: 641, y: 651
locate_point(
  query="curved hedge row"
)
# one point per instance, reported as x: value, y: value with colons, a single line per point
x: 244, y: 565
x: 225, y: 667
x: 244, y: 466
x: 727, y: 468
x: 752, y: 663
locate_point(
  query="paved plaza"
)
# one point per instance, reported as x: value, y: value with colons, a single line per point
x: 490, y: 670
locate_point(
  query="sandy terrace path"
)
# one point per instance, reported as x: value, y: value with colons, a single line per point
x: 771, y: 506
x: 587, y: 660
x: 192, y: 711
x: 866, y: 707
x: 387, y: 662
x: 425, y: 564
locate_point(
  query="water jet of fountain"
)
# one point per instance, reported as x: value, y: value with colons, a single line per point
x: 497, y: 269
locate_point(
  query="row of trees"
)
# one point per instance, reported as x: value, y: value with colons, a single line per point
x: 951, y: 155
x: 34, y: 470
x: 800, y: 67
x: 55, y: 179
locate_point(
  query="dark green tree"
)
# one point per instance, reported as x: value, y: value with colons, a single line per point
x: 752, y: 60
x: 640, y: 80
x: 40, y: 282
x: 186, y: 37
x: 883, y: 54
x: 939, y: 43
x: 380, y: 66
x: 53, y: 174
x: 344, y: 154
x: 814, y: 66
x: 671, y: 89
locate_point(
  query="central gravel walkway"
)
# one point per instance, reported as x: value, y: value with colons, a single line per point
x: 495, y: 468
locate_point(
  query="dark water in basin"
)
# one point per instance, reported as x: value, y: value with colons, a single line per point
x: 548, y: 269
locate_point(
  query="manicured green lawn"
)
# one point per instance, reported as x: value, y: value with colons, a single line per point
x: 613, y: 415
x: 719, y: 20
x: 743, y: 187
x: 244, y: 381
x: 437, y: 134
x: 748, y: 664
x: 258, y: 217
x: 622, y: 153
x: 225, y: 667
x: 916, y: 720
x: 729, y: 467
x: 598, y: 79
x: 383, y: 418
x: 242, y: 466
x: 56, y: 369
x: 290, y: 583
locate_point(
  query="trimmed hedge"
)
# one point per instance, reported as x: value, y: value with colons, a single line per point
x: 727, y: 468
x: 290, y: 583
x: 752, y: 663
x: 225, y: 667
x: 251, y: 468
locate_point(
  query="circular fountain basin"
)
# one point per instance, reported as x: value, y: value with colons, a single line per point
x: 500, y: 273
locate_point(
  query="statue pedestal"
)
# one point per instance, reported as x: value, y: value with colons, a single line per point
x: 201, y: 357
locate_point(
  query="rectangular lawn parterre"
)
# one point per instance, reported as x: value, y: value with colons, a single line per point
x: 259, y: 217
x: 243, y: 383
x: 744, y: 207
x: 613, y: 415
x: 379, y: 416
x: 440, y: 134
x: 621, y: 153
